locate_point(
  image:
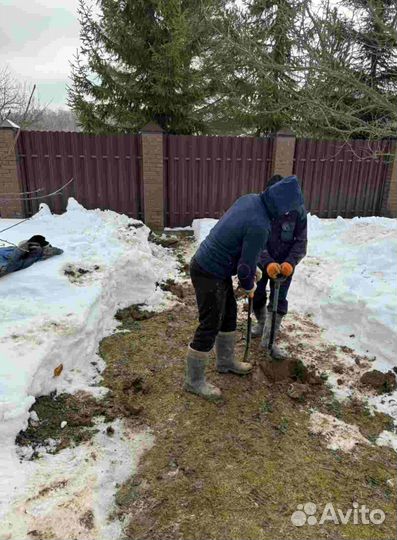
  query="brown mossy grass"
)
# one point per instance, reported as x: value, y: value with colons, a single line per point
x: 238, y: 469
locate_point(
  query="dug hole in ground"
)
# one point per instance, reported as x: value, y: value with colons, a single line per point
x: 100, y: 440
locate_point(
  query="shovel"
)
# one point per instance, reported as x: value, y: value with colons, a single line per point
x: 277, y: 283
x: 249, y: 324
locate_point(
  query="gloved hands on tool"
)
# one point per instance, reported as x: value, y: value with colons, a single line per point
x: 273, y: 270
x: 286, y: 269
x: 258, y: 277
x: 252, y: 291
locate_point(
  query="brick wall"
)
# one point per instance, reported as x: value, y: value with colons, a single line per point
x: 283, y: 156
x: 153, y: 176
x: 9, y: 182
x: 389, y: 206
x: 393, y: 197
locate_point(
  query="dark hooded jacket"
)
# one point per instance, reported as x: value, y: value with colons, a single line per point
x: 233, y: 246
x: 287, y: 240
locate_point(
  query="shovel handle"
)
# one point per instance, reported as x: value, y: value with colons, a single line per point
x: 249, y: 323
x: 277, y: 282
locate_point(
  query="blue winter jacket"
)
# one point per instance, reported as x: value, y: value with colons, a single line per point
x: 234, y: 244
x: 14, y: 258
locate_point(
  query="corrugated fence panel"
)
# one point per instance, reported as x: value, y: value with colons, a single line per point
x: 204, y: 175
x: 343, y: 178
x: 106, y: 170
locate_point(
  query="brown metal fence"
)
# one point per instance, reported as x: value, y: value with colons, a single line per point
x: 343, y: 178
x: 106, y: 170
x: 203, y: 176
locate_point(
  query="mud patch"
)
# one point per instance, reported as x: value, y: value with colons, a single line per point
x: 163, y: 240
x: 290, y: 368
x: 59, y: 421
x: 80, y: 275
x: 177, y: 289
x: 132, y: 315
x: 383, y: 383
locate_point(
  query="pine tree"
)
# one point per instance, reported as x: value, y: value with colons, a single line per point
x: 376, y: 37
x: 327, y: 92
x: 144, y: 60
x: 376, y: 58
x: 271, y: 26
x: 347, y: 89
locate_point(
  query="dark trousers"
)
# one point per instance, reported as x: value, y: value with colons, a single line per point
x: 216, y: 305
x: 260, y: 296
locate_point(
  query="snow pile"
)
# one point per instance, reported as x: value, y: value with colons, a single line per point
x: 348, y: 282
x: 48, y: 319
x: 201, y: 228
x: 71, y: 494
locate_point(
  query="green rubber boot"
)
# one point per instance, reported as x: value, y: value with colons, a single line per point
x: 195, y: 376
x: 225, y: 358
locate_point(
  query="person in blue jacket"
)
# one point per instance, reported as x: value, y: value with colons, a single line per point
x: 285, y: 248
x: 14, y: 258
x: 232, y: 248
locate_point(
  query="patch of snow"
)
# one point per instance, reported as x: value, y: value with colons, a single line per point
x: 33, y: 416
x: 202, y: 228
x: 177, y: 229
x: 46, y: 320
x: 338, y: 434
x: 387, y: 438
x: 71, y: 494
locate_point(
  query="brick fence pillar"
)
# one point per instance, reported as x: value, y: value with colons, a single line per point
x: 152, y: 171
x: 389, y: 203
x: 283, y: 153
x: 9, y: 181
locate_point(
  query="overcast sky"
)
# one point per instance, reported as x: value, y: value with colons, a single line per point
x: 38, y: 39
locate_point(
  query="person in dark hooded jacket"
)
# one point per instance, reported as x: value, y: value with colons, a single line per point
x: 232, y: 248
x: 286, y: 246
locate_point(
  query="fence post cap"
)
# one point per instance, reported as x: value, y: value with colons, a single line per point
x: 285, y: 132
x: 9, y: 124
x: 152, y: 127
